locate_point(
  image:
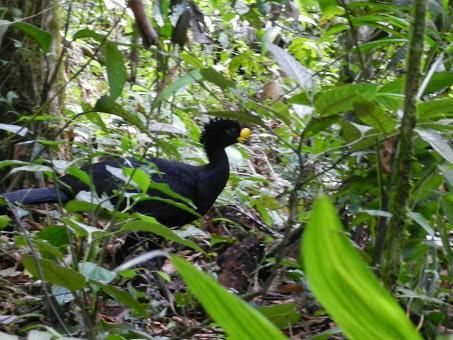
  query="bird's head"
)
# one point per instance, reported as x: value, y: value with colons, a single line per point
x: 224, y: 132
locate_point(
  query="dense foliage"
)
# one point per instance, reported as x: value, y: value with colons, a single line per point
x: 322, y: 85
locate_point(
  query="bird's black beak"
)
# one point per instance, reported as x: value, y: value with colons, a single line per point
x: 244, y: 135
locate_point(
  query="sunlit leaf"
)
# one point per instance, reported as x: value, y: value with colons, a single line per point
x: 152, y: 226
x: 343, y: 283
x: 116, y: 70
x: 235, y: 316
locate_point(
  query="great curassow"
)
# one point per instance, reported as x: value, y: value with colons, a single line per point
x: 201, y: 184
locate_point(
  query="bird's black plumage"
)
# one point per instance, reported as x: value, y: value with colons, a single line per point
x: 200, y: 184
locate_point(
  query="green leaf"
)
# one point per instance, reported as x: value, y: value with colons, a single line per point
x: 235, y: 316
x: 47, y: 248
x: 435, y: 109
x: 107, y: 105
x: 439, y: 81
x: 191, y: 60
x: 56, y: 235
x: 215, y: 77
x: 368, y: 46
x: 139, y: 177
x: 93, y: 272
x: 82, y: 229
x: 318, y: 124
x: 43, y: 38
x: 372, y: 114
x: 79, y: 174
x: 7, y: 163
x: 124, y: 297
x: 344, y: 284
x: 4, y: 221
x: 87, y: 33
x: 53, y: 273
x: 437, y: 142
x: 340, y: 98
x: 282, y: 315
x: 116, y: 70
x: 165, y: 188
x: 179, y: 84
x: 152, y: 226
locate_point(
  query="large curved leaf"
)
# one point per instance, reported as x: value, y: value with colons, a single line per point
x: 235, y: 316
x: 344, y: 284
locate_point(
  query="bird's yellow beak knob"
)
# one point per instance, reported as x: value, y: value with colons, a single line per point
x: 244, y: 135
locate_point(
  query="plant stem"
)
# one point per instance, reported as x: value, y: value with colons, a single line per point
x: 402, y: 167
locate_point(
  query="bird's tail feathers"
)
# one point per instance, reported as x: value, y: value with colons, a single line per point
x: 35, y: 196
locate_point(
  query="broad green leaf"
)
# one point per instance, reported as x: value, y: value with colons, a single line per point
x: 318, y: 124
x: 56, y: 235
x: 344, y: 284
x: 439, y: 81
x: 7, y: 163
x: 96, y: 118
x: 435, y: 109
x: 372, y: 114
x: 116, y: 70
x: 107, y: 105
x: 87, y: 33
x: 215, y: 77
x: 82, y: 229
x: 79, y: 174
x: 139, y: 177
x: 179, y: 84
x: 165, y: 188
x: 340, y: 98
x: 437, y: 142
x: 152, y: 226
x: 382, y: 22
x: 47, y: 248
x: 282, y: 315
x: 236, y: 317
x: 93, y: 272
x: 422, y: 222
x: 54, y: 273
x: 4, y: 221
x: 368, y: 46
x: 43, y: 38
x: 124, y: 297
x: 191, y: 60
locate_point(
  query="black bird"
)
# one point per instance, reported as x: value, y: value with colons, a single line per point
x: 201, y: 184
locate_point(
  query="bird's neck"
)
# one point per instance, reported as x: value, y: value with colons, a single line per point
x: 216, y: 156
x: 218, y: 164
